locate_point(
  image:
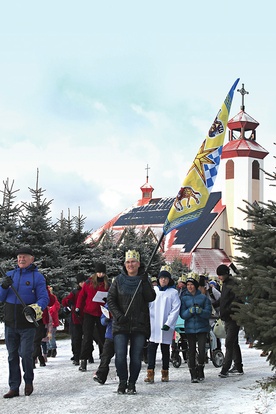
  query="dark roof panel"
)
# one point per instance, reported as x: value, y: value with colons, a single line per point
x: 156, y: 212
x: 190, y: 233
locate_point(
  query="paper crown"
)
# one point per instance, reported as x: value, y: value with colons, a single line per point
x: 193, y: 275
x: 182, y: 278
x: 132, y: 254
x: 167, y: 268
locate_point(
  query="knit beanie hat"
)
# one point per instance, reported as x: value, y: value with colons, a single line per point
x: 193, y: 281
x: 165, y: 273
x: 100, y: 268
x: 80, y: 278
x: 223, y: 270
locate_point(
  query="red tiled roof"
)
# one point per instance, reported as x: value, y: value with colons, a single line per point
x: 207, y: 260
x: 243, y: 148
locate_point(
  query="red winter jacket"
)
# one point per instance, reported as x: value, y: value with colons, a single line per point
x: 70, y: 302
x: 45, y: 314
x: 85, y: 299
x: 53, y: 310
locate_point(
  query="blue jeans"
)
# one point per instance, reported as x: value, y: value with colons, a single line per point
x: 52, y: 342
x: 20, y: 343
x: 137, y: 341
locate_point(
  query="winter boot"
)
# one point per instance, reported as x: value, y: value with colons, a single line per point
x: 131, y: 389
x: 54, y: 353
x: 49, y: 353
x: 98, y: 379
x: 83, y: 365
x: 236, y: 369
x: 193, y: 375
x: 164, y: 375
x: 45, y: 357
x: 42, y: 361
x: 150, y: 376
x: 200, y: 372
x: 122, y: 387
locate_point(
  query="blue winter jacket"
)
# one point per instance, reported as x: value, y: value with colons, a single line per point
x: 108, y: 323
x: 197, y: 322
x: 31, y: 287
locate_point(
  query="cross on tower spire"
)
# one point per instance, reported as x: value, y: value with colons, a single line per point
x: 242, y: 92
x: 147, y: 168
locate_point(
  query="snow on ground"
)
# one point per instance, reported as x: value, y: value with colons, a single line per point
x: 60, y: 388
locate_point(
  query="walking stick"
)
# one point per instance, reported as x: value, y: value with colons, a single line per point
x: 3, y: 274
x: 146, y: 269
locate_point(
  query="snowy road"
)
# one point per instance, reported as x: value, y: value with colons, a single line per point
x: 59, y: 388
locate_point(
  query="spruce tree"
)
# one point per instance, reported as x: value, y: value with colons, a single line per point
x: 257, y: 274
x: 9, y: 213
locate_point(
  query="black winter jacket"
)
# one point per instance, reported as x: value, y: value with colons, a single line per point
x: 119, y: 296
x: 228, y: 296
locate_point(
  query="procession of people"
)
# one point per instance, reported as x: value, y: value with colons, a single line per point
x: 127, y: 314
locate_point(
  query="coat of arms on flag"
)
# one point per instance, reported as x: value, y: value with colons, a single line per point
x: 197, y: 185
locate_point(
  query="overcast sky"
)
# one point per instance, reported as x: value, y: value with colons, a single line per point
x: 93, y: 91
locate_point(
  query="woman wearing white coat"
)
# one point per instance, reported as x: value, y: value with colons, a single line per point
x: 164, y: 311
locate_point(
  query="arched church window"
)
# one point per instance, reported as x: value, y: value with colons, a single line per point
x: 255, y: 170
x: 229, y: 171
x: 215, y: 241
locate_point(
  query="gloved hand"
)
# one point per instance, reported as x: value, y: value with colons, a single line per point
x: 165, y: 328
x: 29, y: 311
x: 123, y: 319
x: 198, y: 309
x: 192, y: 310
x: 66, y: 310
x: 77, y: 311
x: 6, y: 282
x: 145, y: 277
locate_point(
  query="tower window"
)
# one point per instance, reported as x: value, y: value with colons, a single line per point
x: 229, y: 170
x: 255, y: 170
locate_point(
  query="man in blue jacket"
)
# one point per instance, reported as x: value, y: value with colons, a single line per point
x: 30, y: 286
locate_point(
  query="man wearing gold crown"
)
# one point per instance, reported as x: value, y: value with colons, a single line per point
x: 27, y: 283
x: 128, y: 301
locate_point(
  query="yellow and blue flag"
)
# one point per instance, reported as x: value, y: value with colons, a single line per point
x: 197, y: 185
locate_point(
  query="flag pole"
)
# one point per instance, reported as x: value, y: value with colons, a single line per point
x: 146, y: 270
x: 154, y: 251
x: 200, y: 179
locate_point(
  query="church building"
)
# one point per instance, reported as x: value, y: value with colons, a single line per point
x: 203, y: 244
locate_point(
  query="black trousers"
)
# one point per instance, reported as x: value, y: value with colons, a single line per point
x: 76, y: 335
x: 90, y: 323
x: 200, y: 340
x: 165, y: 351
x: 40, y: 333
x: 106, y: 356
x: 233, y: 351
